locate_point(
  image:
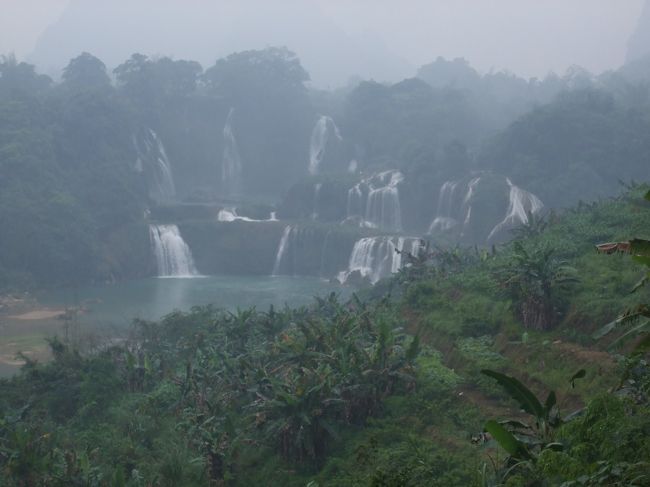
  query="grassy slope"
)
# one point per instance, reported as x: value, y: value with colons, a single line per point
x: 471, y: 321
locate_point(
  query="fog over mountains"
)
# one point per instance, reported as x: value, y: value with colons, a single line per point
x: 114, y: 30
x: 336, y: 40
x: 639, y: 44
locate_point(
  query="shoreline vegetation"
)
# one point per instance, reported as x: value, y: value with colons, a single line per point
x: 25, y: 328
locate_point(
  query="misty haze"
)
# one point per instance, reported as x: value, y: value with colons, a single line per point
x: 324, y: 243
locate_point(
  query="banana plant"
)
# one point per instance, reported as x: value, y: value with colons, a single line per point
x: 537, y: 281
x: 523, y: 441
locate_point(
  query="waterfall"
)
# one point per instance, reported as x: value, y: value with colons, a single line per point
x: 520, y: 205
x: 355, y: 201
x: 317, y: 188
x: 449, y: 213
x: 383, y: 208
x: 375, y: 201
x: 227, y: 215
x: 173, y: 255
x: 282, y: 250
x: 467, y: 203
x: 230, y: 215
x: 444, y: 219
x: 152, y: 160
x: 320, y: 135
x: 231, y: 166
x: 300, y: 252
x: 446, y: 198
x: 376, y: 257
x: 396, y: 263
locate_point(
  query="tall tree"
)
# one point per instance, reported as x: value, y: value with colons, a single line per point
x: 86, y: 72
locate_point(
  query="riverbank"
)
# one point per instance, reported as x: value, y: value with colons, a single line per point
x: 95, y: 313
x: 25, y: 326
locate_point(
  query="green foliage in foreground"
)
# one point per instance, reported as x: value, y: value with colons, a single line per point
x: 348, y: 394
x: 197, y: 396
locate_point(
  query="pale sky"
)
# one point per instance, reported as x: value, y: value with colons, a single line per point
x: 528, y: 37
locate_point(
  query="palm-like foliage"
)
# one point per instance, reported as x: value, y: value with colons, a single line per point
x: 299, y: 375
x: 537, y: 281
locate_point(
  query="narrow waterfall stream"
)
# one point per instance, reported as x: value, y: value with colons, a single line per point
x: 320, y: 136
x: 231, y: 164
x: 282, y: 250
x: 153, y: 162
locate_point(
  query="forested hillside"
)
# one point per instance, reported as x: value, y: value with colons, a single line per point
x: 89, y: 162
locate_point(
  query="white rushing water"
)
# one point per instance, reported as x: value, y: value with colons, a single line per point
x: 467, y: 204
x: 375, y: 257
x: 320, y: 136
x: 521, y: 204
x: 173, y: 255
x: 231, y: 164
x: 282, y: 250
x: 355, y: 201
x: 445, y: 219
x: 375, y: 201
x: 230, y: 215
x: 152, y: 160
x: 314, y: 213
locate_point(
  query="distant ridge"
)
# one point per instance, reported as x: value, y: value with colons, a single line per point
x: 639, y: 44
x: 113, y: 30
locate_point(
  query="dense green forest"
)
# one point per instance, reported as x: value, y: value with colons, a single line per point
x: 78, y: 177
x: 393, y: 387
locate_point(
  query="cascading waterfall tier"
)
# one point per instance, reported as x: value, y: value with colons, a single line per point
x: 454, y: 211
x: 521, y: 204
x: 321, y: 134
x: 173, y: 255
x: 445, y: 219
x: 152, y: 160
x: 374, y: 258
x: 231, y: 164
x: 460, y: 214
x: 375, y: 203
